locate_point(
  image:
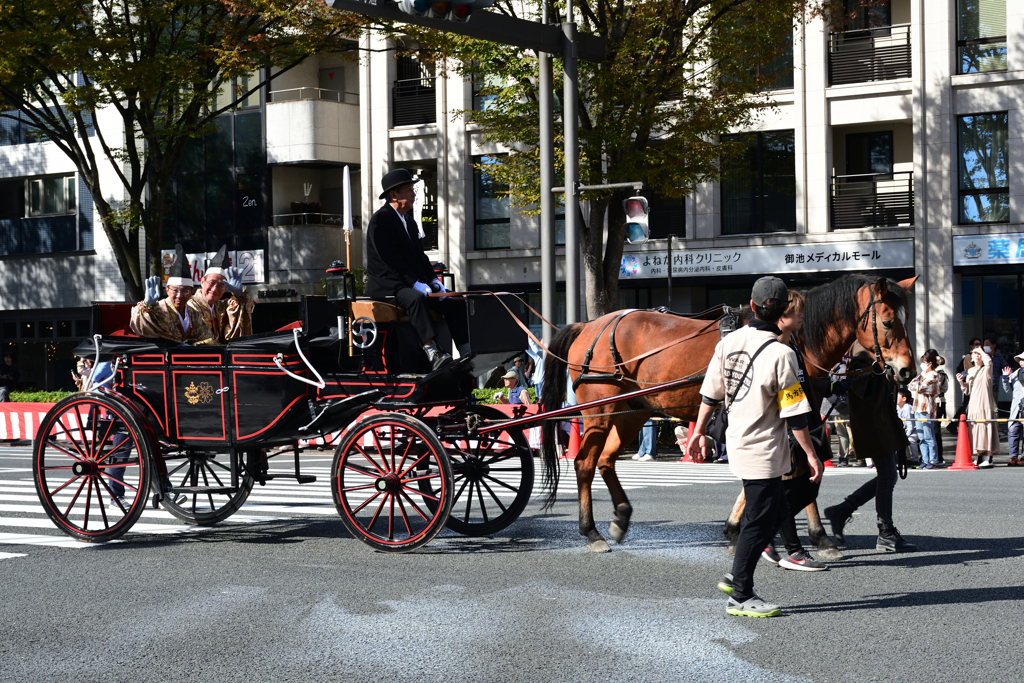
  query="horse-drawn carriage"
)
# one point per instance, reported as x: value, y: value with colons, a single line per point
x: 192, y: 429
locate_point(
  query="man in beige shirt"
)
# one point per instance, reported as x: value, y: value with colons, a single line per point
x: 763, y: 395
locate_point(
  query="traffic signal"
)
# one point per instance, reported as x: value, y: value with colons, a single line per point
x: 462, y: 10
x: 416, y: 8
x: 637, y: 229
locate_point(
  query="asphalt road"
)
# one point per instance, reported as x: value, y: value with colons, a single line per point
x: 294, y: 598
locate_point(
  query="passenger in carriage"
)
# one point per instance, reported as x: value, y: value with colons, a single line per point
x: 171, y: 318
x: 397, y: 266
x: 227, y: 317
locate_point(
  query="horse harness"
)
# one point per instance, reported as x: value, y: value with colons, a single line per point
x: 726, y: 322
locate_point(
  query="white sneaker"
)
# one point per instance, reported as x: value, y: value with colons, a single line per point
x: 647, y: 457
x: 114, y: 504
x: 636, y: 456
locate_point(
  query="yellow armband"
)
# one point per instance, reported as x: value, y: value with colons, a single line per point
x: 791, y: 396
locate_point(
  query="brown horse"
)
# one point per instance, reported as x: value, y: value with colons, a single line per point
x: 624, y: 351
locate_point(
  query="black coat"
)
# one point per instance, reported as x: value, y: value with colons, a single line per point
x: 393, y: 258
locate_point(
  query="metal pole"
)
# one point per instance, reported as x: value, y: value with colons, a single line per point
x: 570, y: 122
x: 547, y: 199
x: 670, y: 237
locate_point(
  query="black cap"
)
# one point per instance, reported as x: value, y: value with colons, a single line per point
x: 219, y: 263
x: 394, y: 180
x: 769, y: 287
x: 181, y: 270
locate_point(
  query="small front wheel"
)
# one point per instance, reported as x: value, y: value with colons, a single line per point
x: 375, y: 480
x: 91, y: 462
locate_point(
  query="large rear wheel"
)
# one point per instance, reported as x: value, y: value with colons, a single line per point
x: 91, y: 463
x: 376, y: 482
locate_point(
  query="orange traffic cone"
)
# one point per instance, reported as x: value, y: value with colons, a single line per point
x: 686, y: 455
x: 963, y: 448
x: 574, y: 440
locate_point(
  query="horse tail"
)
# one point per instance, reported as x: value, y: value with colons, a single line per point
x: 552, y: 398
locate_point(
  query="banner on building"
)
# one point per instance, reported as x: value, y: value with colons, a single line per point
x: 251, y: 262
x: 771, y: 259
x: 977, y: 250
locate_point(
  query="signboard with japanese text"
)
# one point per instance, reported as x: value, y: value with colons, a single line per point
x: 251, y: 262
x: 977, y: 250
x: 775, y: 259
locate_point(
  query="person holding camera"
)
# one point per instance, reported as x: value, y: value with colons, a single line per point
x: 8, y: 377
x: 757, y: 377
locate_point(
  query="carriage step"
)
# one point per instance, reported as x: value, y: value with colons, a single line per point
x: 202, y: 489
x: 300, y: 478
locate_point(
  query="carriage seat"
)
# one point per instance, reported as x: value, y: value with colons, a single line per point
x: 384, y: 311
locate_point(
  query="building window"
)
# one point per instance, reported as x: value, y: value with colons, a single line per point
x: 485, y: 89
x: 869, y: 153
x: 984, y: 181
x: 52, y: 196
x: 981, y: 36
x: 778, y: 73
x: 491, y: 201
x: 758, y: 187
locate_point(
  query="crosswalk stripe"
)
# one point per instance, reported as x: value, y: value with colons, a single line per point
x: 8, y: 556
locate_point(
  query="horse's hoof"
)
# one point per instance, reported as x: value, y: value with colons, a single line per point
x: 599, y: 546
x: 617, y: 532
x: 830, y: 554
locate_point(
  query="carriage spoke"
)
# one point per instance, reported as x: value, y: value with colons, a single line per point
x: 99, y: 502
x: 493, y: 495
x: 360, y: 470
x: 499, y: 482
x: 418, y: 461
x: 405, y: 454
x: 469, y: 501
x: 414, y: 506
x: 480, y: 498
x: 401, y: 509
x: 369, y: 459
x: 380, y: 449
x: 122, y: 483
x: 61, y: 487
x: 88, y: 499
x: 106, y: 434
x: 171, y: 473
x: 81, y: 430
x: 73, y: 442
x: 423, y: 478
x: 373, y: 520
x: 206, y: 483
x: 67, y: 510
x: 391, y: 518
x: 365, y: 502
x: 360, y: 488
x: 110, y: 493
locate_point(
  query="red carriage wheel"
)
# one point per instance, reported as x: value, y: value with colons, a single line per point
x: 493, y: 475
x: 375, y: 480
x: 91, y: 462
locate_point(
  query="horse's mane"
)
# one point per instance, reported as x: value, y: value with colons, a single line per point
x: 835, y: 303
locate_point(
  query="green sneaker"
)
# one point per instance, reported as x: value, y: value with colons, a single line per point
x: 753, y: 607
x: 725, y: 585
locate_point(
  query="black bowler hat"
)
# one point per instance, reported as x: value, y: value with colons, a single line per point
x: 394, y: 180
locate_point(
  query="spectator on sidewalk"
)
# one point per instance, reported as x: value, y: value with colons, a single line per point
x: 648, y: 443
x: 940, y: 408
x: 906, y: 412
x: 998, y: 362
x: 965, y: 364
x: 8, y: 377
x: 1013, y: 383
x: 982, y: 408
x: 926, y: 388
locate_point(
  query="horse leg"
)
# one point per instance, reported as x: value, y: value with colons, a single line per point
x: 732, y: 525
x: 827, y: 549
x: 606, y: 465
x: 585, y: 464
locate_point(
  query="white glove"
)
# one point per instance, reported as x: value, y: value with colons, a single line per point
x: 422, y: 288
x: 233, y: 280
x: 152, y: 290
x: 440, y: 287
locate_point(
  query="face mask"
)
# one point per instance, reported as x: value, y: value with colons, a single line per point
x: 925, y: 367
x: 987, y: 349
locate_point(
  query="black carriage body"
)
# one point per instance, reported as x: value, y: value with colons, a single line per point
x: 214, y: 397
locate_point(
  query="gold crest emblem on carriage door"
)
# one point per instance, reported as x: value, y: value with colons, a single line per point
x: 198, y: 394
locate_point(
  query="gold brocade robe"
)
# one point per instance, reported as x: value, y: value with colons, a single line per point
x: 161, y: 320
x: 231, y: 316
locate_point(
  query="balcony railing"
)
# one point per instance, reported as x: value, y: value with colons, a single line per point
x: 874, y: 54
x: 873, y: 200
x: 292, y: 94
x: 413, y: 102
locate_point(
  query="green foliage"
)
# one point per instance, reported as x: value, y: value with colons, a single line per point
x: 159, y: 71
x: 36, y: 396
x: 676, y: 76
x: 487, y: 395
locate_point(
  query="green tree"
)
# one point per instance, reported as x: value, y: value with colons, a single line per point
x: 677, y: 74
x: 120, y: 86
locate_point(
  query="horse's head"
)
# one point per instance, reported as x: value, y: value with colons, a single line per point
x: 881, y: 324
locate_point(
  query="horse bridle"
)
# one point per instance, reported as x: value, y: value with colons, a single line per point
x: 878, y: 367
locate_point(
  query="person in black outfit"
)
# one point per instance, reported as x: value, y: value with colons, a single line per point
x: 396, y: 266
x: 8, y: 376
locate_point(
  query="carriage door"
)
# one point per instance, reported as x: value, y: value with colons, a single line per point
x: 201, y: 401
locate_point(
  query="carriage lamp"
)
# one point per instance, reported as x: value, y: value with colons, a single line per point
x: 340, y: 283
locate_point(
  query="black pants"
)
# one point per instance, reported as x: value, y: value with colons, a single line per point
x: 418, y: 308
x: 800, y: 492
x: 766, y: 504
x: 880, y: 488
